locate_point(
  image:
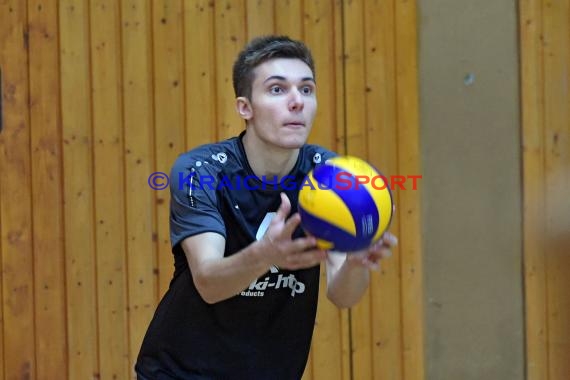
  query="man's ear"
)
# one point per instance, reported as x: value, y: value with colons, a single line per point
x: 244, y: 108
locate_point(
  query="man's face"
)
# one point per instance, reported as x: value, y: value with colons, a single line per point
x: 283, y: 103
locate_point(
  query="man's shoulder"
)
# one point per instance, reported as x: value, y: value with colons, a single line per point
x: 217, y: 151
x: 209, y: 157
x: 317, y: 153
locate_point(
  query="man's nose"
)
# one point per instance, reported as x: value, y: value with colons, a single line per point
x: 296, y: 102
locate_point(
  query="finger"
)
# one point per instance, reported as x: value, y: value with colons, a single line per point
x: 284, y: 207
x: 389, y: 239
x: 372, y: 265
x: 370, y: 262
x: 382, y: 253
x: 376, y: 247
x: 291, y: 224
x: 303, y: 244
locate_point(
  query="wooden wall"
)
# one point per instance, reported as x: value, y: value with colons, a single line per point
x: 545, y: 57
x: 99, y: 94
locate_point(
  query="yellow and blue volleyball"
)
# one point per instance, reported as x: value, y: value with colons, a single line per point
x: 346, y: 204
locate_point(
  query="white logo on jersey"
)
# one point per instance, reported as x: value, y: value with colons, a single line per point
x: 262, y: 230
x: 317, y: 158
x: 220, y: 157
x: 257, y: 288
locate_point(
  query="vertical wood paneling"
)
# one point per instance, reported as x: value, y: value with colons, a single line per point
x: 354, y: 76
x: 200, y: 72
x: 557, y: 181
x: 260, y: 17
x: 109, y: 179
x: 545, y: 53
x: 339, y: 87
x: 78, y: 189
x: 382, y: 151
x: 289, y: 18
x: 408, y: 164
x: 139, y: 164
x: 15, y: 204
x: 169, y: 116
x: 545, y: 27
x: 230, y: 38
x: 45, y: 127
x: 319, y: 34
x: 532, y: 108
x: 330, y: 343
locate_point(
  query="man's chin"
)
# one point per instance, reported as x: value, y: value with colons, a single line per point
x: 293, y: 140
x: 292, y: 143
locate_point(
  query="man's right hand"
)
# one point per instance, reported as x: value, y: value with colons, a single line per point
x: 283, y: 251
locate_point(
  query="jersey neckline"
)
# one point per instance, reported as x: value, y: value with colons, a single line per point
x: 250, y: 172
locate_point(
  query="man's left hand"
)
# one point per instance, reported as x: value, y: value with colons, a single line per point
x: 370, y: 258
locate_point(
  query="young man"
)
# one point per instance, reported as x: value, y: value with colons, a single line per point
x: 243, y: 299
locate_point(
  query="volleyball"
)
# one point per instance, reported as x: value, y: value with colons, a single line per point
x: 346, y: 204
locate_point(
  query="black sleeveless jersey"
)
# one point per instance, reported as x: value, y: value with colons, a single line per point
x: 263, y: 332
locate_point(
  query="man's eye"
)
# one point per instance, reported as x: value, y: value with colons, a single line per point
x: 276, y: 90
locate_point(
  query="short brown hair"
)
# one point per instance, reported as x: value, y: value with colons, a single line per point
x: 262, y: 49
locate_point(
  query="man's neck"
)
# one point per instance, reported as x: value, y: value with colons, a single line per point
x: 268, y: 160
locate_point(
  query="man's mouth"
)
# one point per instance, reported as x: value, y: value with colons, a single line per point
x: 295, y: 124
